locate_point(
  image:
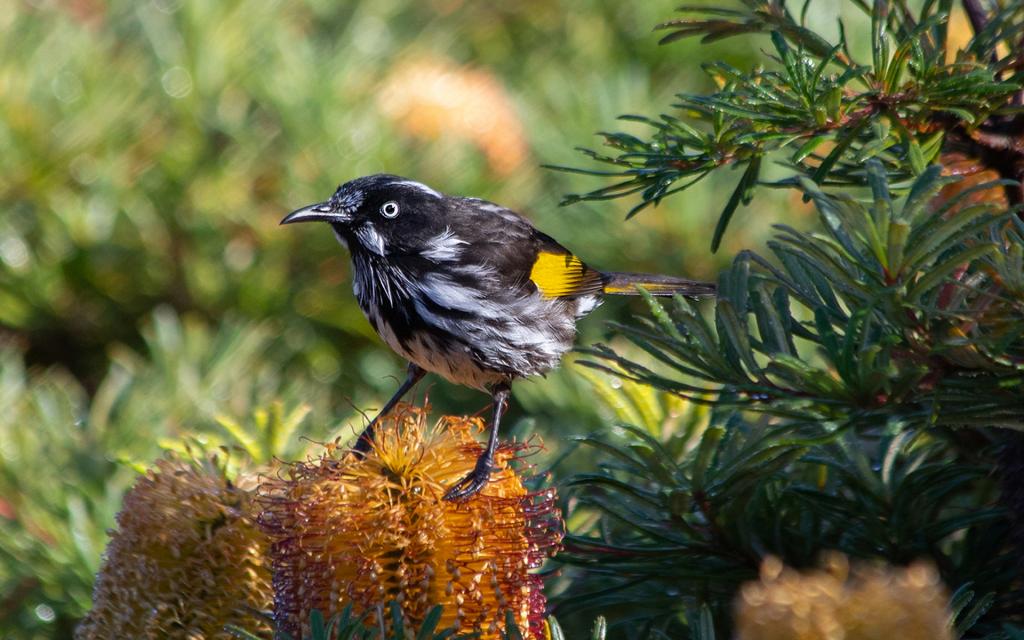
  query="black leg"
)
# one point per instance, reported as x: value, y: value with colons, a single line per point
x: 414, y: 375
x: 481, y: 473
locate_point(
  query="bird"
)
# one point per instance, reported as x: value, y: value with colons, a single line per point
x: 467, y: 289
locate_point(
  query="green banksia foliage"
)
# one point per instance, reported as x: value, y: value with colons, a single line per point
x: 367, y: 532
x: 822, y: 109
x: 869, y: 603
x: 185, y: 560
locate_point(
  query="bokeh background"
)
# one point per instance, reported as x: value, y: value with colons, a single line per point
x: 148, y: 298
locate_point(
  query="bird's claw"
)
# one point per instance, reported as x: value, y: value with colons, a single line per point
x: 470, y: 485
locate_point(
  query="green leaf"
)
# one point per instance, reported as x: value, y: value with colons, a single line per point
x: 896, y: 244
x: 241, y: 435
x: 242, y: 634
x: 918, y: 162
x: 736, y: 345
x: 554, y: 628
x: 317, y: 628
x: 705, y: 452
x: 809, y: 147
x: 970, y: 616
x: 843, y: 142
x: 740, y: 194
x: 773, y: 327
x: 512, y: 631
x: 921, y: 192
x: 397, y: 620
x: 939, y: 272
x: 705, y: 627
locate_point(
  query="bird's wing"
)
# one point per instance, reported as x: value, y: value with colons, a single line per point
x: 527, y: 259
x: 558, y: 273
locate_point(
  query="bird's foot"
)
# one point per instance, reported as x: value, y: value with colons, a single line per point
x: 474, y: 481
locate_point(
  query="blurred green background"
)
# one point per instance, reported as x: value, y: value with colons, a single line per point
x: 148, y: 298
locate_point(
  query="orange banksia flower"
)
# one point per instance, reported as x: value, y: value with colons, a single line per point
x: 972, y: 173
x: 433, y: 98
x: 869, y: 603
x: 186, y: 559
x: 372, y: 531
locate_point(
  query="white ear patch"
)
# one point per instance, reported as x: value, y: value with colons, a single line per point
x: 370, y: 239
x: 443, y: 247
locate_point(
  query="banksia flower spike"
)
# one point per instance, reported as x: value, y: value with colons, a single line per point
x: 431, y: 99
x: 185, y: 560
x: 372, y: 531
x: 871, y: 603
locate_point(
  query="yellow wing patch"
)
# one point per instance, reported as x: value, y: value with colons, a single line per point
x: 559, y: 275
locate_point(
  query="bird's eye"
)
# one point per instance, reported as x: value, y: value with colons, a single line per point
x: 389, y: 209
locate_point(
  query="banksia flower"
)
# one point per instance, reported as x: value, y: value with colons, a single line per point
x: 185, y: 560
x: 428, y: 99
x: 375, y: 530
x: 972, y: 173
x: 958, y: 196
x: 833, y: 604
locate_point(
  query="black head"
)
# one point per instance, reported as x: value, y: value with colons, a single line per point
x: 381, y: 214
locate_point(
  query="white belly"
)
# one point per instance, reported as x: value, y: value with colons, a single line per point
x: 455, y: 365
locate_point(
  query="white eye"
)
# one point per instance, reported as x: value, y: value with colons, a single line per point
x: 389, y: 209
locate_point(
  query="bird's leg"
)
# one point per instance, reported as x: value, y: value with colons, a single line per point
x: 414, y: 375
x: 481, y: 473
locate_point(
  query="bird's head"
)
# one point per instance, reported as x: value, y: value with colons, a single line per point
x: 380, y: 214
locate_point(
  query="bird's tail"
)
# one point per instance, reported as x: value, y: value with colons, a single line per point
x: 626, y: 284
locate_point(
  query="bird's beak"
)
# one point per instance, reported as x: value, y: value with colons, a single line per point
x: 322, y: 211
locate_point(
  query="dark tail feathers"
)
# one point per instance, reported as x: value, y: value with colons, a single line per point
x: 626, y: 283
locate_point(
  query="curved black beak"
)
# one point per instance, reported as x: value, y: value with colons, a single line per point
x: 322, y: 211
